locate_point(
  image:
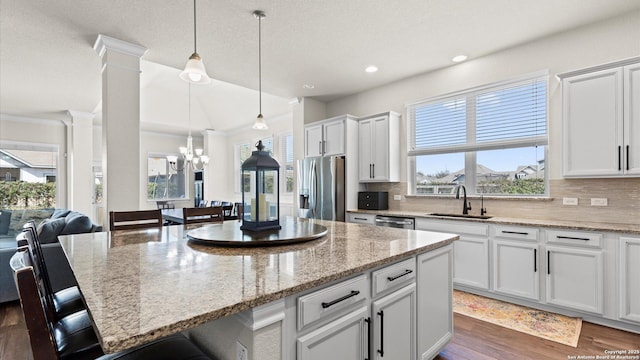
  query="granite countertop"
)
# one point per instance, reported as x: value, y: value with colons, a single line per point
x: 562, y: 224
x: 146, y: 284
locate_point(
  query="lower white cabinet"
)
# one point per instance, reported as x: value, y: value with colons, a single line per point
x: 361, y: 218
x: 393, y: 325
x: 630, y: 279
x: 344, y: 338
x: 516, y: 269
x: 575, y: 278
x: 471, y: 261
x: 435, y: 301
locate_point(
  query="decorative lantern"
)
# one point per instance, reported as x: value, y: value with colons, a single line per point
x: 260, y: 192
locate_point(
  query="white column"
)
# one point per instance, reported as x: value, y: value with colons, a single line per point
x: 216, y: 182
x: 120, y: 123
x: 80, y: 162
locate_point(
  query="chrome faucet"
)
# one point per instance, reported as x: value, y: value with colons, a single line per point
x: 465, y: 207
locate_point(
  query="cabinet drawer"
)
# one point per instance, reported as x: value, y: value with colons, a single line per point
x: 369, y: 219
x: 452, y: 226
x: 330, y: 300
x: 393, y: 276
x: 574, y: 238
x: 515, y: 233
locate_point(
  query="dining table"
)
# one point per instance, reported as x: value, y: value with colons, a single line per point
x: 141, y: 285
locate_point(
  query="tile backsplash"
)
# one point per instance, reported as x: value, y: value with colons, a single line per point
x: 623, y: 197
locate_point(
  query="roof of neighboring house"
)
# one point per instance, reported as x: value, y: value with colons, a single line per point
x: 31, y: 158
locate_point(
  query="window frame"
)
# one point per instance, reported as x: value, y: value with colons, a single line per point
x: 284, y: 163
x: 469, y: 149
x: 187, y: 177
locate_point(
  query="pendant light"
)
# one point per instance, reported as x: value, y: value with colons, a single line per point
x: 194, y: 71
x: 260, y: 124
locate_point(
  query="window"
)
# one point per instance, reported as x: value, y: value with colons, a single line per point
x: 286, y: 164
x: 28, y: 176
x: 165, y: 182
x: 491, y: 139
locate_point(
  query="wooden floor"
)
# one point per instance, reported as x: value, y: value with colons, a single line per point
x: 474, y: 340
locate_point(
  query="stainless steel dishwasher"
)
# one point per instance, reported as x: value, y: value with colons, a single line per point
x: 396, y: 222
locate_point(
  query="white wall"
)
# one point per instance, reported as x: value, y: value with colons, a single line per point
x: 603, y: 42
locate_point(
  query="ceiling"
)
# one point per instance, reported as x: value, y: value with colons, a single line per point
x: 48, y: 65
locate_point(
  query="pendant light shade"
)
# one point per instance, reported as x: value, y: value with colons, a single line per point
x: 194, y: 72
x: 260, y: 124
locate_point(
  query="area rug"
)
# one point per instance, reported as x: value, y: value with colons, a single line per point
x: 559, y: 328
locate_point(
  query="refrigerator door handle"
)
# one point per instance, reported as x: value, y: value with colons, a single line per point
x: 313, y: 191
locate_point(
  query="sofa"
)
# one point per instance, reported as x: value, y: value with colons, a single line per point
x: 51, y: 223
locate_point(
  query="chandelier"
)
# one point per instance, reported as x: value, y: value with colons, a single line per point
x: 196, y: 160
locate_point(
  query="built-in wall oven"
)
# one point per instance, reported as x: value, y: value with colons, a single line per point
x: 396, y: 222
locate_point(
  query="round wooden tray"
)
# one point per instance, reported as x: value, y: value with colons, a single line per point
x: 294, y: 230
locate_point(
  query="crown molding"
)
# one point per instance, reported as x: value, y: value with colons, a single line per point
x: 104, y: 43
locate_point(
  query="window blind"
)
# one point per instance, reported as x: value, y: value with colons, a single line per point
x: 288, y: 149
x: 514, y: 112
x: 499, y: 116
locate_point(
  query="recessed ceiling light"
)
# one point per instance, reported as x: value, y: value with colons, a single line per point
x: 371, y: 69
x: 459, y: 58
x: 308, y: 86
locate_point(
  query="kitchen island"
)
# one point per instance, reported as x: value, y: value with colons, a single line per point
x: 143, y: 285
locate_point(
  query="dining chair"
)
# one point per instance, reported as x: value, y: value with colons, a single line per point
x: 132, y: 220
x: 215, y: 203
x: 238, y: 210
x: 227, y: 210
x: 165, y: 204
x: 60, y: 303
x: 203, y: 203
x: 73, y: 337
x: 202, y: 215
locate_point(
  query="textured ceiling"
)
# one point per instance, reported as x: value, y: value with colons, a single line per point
x: 47, y: 64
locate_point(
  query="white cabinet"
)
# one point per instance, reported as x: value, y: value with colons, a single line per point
x: 516, y: 265
x: 630, y: 279
x: 379, y: 148
x: 601, y: 117
x: 360, y: 218
x: 471, y: 251
x: 344, y: 338
x: 435, y: 301
x: 325, y: 138
x: 393, y: 323
x: 574, y: 273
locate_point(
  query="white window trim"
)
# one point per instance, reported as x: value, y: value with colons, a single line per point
x: 187, y: 181
x: 470, y: 149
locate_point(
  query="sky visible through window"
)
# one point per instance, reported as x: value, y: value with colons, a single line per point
x: 494, y: 160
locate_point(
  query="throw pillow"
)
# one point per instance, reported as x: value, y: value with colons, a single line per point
x: 76, y: 223
x: 58, y: 213
x: 49, y: 229
x: 5, y: 219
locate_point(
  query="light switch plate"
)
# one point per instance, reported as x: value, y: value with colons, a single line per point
x: 569, y: 201
x: 599, y: 202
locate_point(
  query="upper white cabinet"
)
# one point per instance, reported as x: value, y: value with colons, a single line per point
x: 601, y: 122
x: 326, y: 137
x: 379, y: 147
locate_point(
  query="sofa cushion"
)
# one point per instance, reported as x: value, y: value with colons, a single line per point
x: 5, y: 219
x: 59, y: 213
x: 49, y: 229
x: 76, y: 223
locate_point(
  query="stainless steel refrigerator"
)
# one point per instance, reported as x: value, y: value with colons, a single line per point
x: 321, y: 188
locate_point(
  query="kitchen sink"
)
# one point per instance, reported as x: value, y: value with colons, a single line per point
x: 465, y: 216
